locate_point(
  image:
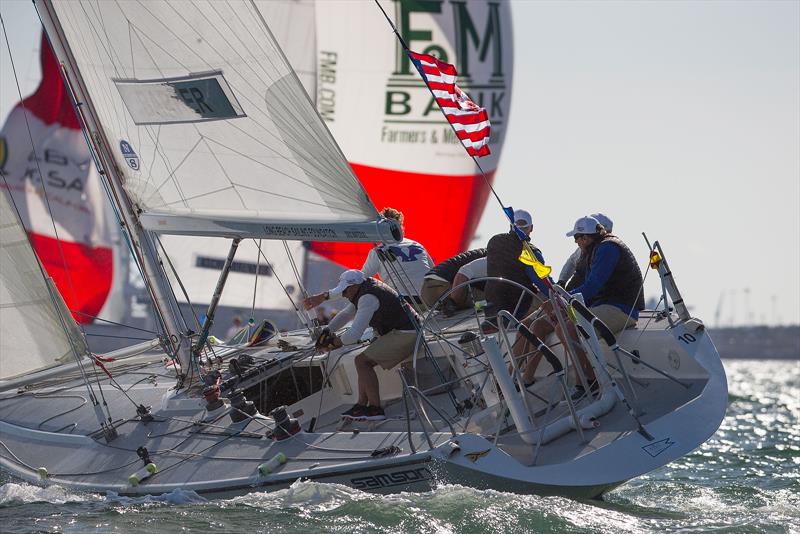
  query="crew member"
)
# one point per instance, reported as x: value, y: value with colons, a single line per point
x: 448, y: 274
x: 402, y: 265
x: 375, y: 304
x: 569, y: 266
x: 610, y: 281
x: 502, y: 261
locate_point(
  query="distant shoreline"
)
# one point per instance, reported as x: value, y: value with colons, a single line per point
x: 757, y: 342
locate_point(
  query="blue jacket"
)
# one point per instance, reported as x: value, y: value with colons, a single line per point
x: 604, y: 260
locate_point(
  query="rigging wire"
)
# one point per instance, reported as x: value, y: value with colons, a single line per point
x: 303, y: 318
x: 295, y: 270
x: 62, y: 320
x: 180, y: 283
x: 100, y: 319
x: 255, y: 288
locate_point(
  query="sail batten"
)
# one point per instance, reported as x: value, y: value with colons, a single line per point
x: 207, y: 121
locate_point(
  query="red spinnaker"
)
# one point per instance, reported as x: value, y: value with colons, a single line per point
x: 75, y: 244
x: 441, y: 212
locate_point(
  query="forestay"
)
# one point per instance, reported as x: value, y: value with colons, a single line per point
x: 209, y: 126
x: 33, y: 318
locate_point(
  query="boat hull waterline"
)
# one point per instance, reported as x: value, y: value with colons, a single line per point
x: 215, y: 466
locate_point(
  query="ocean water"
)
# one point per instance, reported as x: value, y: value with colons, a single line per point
x: 746, y: 478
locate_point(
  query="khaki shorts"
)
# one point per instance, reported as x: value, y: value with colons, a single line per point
x: 432, y: 289
x: 614, y: 318
x: 392, y: 348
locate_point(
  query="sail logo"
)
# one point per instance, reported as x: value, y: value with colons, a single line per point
x: 131, y: 158
x: 474, y: 45
x: 657, y: 447
x: 185, y: 99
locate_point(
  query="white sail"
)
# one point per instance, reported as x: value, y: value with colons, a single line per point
x: 210, y: 127
x: 294, y: 25
x: 198, y: 260
x: 33, y: 317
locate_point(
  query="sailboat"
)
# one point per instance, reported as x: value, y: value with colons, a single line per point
x: 201, y: 128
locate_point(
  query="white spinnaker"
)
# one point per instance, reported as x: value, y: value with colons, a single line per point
x: 266, y: 157
x: 33, y: 319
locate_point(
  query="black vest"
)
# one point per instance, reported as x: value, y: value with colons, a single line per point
x: 502, y: 258
x: 392, y: 313
x: 502, y: 261
x: 449, y: 268
x: 624, y: 286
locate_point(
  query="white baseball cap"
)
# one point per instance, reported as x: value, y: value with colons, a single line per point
x: 607, y: 223
x: 584, y: 225
x: 348, y: 278
x: 522, y: 215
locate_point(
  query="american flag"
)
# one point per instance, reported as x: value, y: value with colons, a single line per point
x: 469, y: 121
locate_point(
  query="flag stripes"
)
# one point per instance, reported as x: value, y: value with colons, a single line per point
x: 470, y: 122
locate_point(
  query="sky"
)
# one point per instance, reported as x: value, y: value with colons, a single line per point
x: 678, y: 119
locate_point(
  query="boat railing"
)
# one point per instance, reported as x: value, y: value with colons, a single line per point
x: 411, y: 393
x: 551, y: 399
x: 494, y: 382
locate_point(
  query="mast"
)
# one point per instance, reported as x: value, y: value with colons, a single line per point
x: 165, y: 305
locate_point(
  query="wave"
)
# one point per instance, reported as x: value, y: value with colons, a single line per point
x: 12, y: 493
x: 173, y: 497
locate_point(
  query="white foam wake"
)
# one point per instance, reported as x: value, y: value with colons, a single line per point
x: 177, y: 496
x: 12, y: 493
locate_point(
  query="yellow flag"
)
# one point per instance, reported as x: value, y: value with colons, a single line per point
x: 528, y: 258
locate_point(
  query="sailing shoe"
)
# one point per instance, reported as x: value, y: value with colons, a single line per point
x: 356, y: 412
x: 374, y: 413
x: 579, y: 392
x: 449, y: 308
x: 488, y: 327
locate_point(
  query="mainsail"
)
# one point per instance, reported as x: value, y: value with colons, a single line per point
x: 47, y: 169
x: 198, y: 260
x: 208, y: 125
x: 384, y: 118
x: 204, y: 129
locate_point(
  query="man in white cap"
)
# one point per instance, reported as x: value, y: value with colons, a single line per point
x: 569, y: 266
x: 372, y: 303
x: 502, y: 261
x: 608, y: 277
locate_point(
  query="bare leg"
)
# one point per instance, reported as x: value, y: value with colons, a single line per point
x: 588, y: 370
x: 541, y: 328
x: 459, y: 296
x: 368, y: 388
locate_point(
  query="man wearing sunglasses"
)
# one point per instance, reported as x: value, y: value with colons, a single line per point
x: 610, y: 281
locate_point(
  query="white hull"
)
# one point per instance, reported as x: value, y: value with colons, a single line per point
x: 219, y: 458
